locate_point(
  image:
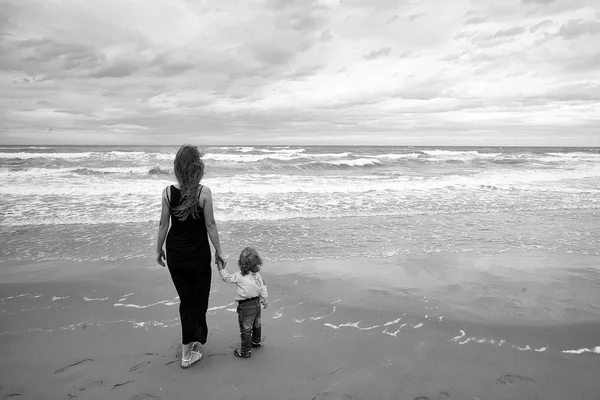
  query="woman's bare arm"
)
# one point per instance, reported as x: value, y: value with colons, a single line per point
x: 211, y: 225
x: 163, y: 228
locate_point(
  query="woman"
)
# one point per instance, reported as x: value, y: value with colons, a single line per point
x: 189, y: 207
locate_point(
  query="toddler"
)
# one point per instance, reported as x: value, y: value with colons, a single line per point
x: 251, y: 294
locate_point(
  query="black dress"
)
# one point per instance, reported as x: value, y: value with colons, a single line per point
x: 188, y: 259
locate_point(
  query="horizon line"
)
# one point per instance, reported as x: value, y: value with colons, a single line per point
x: 296, y: 145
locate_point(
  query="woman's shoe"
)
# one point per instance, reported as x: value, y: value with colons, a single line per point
x: 195, y: 356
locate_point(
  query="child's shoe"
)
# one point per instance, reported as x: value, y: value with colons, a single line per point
x: 237, y: 352
x: 259, y: 344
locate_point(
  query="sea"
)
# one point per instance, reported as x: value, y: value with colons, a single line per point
x: 84, y: 203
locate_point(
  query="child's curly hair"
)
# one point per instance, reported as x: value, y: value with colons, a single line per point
x: 249, y: 261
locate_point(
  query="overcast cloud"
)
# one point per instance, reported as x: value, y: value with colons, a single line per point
x: 484, y: 72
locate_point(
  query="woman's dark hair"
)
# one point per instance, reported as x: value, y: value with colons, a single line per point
x: 189, y: 170
x: 249, y: 261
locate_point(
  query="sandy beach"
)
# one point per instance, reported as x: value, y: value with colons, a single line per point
x: 101, y: 330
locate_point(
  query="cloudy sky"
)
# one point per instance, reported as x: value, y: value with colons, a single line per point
x: 448, y: 72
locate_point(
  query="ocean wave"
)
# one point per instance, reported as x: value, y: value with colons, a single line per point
x: 48, y: 173
x: 243, y: 149
x: 399, y: 156
x: 156, y: 170
x: 88, y: 171
x: 359, y: 162
x: 26, y: 155
x: 284, y: 151
x: 123, y: 216
x: 56, y: 182
x: 26, y: 148
x: 93, y: 155
x: 299, y: 158
x: 248, y: 158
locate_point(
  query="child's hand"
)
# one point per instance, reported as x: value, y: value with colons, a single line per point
x: 265, y: 303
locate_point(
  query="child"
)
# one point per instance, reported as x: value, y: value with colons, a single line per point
x: 251, y: 293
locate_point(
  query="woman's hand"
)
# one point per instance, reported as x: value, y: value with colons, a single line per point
x: 160, y: 258
x: 220, y: 261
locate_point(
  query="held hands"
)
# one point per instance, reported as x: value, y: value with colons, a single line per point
x: 219, y: 261
x: 160, y: 258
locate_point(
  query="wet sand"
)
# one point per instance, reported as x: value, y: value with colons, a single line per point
x: 345, y: 329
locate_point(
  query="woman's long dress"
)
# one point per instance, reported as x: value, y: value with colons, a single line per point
x: 188, y: 259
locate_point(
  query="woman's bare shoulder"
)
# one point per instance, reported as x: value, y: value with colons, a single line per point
x: 205, y: 191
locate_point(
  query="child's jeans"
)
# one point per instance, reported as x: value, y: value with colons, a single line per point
x: 249, y: 319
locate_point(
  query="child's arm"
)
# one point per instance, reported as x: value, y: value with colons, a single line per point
x: 226, y: 276
x: 263, y: 293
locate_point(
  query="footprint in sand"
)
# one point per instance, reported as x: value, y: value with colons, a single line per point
x: 139, y: 366
x: 512, y: 379
x: 91, y: 385
x: 76, y: 365
x: 441, y: 396
x: 217, y: 354
x: 144, y: 396
x: 332, y: 396
x: 118, y: 385
x: 13, y: 395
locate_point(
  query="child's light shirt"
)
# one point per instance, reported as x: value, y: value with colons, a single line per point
x: 248, y: 286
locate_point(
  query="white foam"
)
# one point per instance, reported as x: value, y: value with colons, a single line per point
x: 15, y: 297
x: 250, y: 158
x: 283, y: 150
x: 277, y: 315
x: 352, y: 325
x: 412, y: 156
x: 221, y: 307
x: 126, y: 296
x: 595, y: 350
x: 94, y: 299
x: 395, y: 333
x: 298, y: 321
x: 323, y: 316
x: 353, y: 163
x: 132, y: 305
x: 457, y: 338
x: 25, y: 155
x: 96, y: 155
x: 494, y: 342
x: 54, y: 298
x: 392, y: 322
x: 417, y: 325
x: 526, y: 348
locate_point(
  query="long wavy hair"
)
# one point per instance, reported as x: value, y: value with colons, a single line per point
x: 189, y: 170
x: 249, y: 261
